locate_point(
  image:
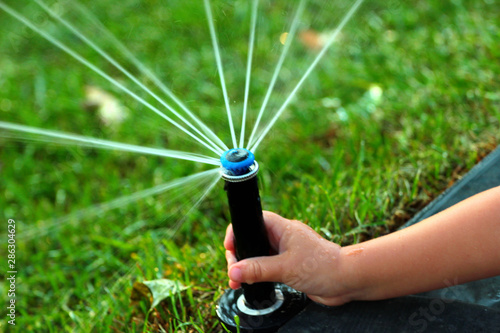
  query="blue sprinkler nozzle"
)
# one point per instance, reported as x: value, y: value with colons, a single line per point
x: 237, y: 161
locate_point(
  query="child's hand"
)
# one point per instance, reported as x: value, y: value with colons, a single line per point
x: 304, y: 261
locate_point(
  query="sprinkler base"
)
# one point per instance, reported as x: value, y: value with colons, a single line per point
x: 264, y: 320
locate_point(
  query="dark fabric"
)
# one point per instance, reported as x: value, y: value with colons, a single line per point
x: 404, y: 314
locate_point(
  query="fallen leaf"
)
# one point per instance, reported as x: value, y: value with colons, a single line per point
x: 108, y: 107
x: 315, y: 40
x: 283, y: 38
x: 155, y: 290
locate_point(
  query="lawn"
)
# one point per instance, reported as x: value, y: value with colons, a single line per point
x: 405, y: 101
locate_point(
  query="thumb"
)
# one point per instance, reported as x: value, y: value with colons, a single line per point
x: 258, y: 269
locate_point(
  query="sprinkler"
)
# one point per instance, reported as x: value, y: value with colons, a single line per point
x: 264, y: 306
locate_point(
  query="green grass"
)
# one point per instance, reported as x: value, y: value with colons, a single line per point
x: 350, y: 178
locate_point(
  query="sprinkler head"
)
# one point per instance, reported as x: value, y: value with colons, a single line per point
x: 236, y: 163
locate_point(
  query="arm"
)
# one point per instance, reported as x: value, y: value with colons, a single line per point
x: 457, y: 245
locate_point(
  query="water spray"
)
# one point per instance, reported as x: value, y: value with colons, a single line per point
x: 263, y: 306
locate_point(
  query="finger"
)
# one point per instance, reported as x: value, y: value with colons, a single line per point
x: 229, y: 239
x: 234, y: 285
x: 257, y: 269
x: 230, y: 258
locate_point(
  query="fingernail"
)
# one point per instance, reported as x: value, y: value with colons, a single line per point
x: 235, y: 274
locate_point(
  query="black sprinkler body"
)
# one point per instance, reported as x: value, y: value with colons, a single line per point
x: 265, y: 306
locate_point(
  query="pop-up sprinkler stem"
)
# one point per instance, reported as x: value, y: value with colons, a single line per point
x: 256, y: 305
x: 248, y: 223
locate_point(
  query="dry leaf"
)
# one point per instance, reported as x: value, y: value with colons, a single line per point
x: 109, y: 109
x: 315, y: 40
x: 155, y: 290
